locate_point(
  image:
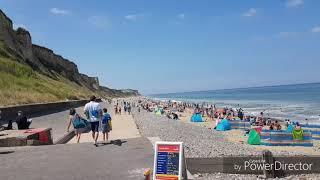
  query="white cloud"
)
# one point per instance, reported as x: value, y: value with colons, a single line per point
x: 294, y: 3
x: 287, y: 34
x: 251, y: 12
x: 99, y: 21
x: 57, y: 11
x: 316, y: 29
x: 181, y: 16
x: 16, y: 26
x: 133, y: 17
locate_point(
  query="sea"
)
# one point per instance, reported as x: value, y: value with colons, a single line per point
x: 300, y: 102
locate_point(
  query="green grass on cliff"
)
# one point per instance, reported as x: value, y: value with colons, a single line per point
x: 19, y: 84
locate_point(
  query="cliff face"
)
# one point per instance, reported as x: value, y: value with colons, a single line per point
x: 18, y: 46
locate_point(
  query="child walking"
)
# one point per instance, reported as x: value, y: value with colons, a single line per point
x: 106, y: 125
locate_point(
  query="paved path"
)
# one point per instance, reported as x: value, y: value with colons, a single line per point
x: 78, y: 161
x: 123, y: 127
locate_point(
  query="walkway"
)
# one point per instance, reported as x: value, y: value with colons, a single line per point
x: 123, y: 161
x: 123, y: 127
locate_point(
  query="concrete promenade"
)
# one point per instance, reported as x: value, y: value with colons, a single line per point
x: 125, y: 157
x: 122, y: 161
x: 123, y: 127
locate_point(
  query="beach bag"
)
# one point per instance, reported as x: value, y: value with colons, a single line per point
x: 110, y: 125
x: 297, y: 134
x: 79, y: 123
x: 254, y: 137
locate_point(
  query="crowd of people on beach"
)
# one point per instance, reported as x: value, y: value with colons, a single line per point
x: 213, y: 113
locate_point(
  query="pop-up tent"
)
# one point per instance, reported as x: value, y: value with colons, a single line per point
x: 224, y: 125
x: 254, y: 137
x: 196, y: 118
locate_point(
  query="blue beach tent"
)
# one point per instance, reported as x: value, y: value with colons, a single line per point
x: 224, y: 125
x: 196, y: 118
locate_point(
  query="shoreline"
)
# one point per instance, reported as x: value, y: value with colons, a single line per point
x: 310, y: 119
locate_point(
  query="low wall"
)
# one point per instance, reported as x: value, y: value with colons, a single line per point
x: 35, y: 110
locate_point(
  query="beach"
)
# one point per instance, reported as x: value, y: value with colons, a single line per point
x: 202, y: 141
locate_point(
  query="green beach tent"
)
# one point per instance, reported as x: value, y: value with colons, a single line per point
x: 254, y: 137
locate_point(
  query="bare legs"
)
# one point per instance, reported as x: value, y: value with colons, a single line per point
x: 95, y: 137
x: 105, y: 137
x: 78, y: 137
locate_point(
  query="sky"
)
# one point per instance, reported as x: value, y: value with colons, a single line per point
x: 159, y: 46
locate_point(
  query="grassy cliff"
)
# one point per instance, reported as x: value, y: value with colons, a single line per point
x: 21, y: 85
x: 31, y: 73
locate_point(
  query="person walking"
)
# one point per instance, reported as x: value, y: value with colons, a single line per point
x: 106, y: 125
x: 129, y: 109
x: 93, y: 112
x: 77, y: 122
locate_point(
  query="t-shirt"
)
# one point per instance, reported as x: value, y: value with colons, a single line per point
x: 93, y: 109
x: 106, y: 118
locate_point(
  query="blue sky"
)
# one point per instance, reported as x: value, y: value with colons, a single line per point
x: 160, y: 46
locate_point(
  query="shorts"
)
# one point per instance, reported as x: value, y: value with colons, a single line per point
x: 95, y: 126
x: 105, y: 128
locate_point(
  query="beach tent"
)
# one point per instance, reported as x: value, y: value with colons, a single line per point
x: 196, y: 118
x: 290, y: 128
x: 224, y: 125
x: 254, y: 137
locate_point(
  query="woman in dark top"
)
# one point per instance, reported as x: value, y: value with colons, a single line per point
x: 22, y: 121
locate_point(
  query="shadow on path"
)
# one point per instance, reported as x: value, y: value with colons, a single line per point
x: 117, y: 142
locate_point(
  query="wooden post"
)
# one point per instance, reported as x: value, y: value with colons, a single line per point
x: 268, y: 159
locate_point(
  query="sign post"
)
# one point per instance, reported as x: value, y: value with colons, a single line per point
x: 169, y: 163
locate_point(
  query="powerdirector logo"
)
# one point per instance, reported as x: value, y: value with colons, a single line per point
x: 283, y: 165
x: 258, y: 165
x: 277, y: 165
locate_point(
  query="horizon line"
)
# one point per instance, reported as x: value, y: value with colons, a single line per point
x: 239, y: 88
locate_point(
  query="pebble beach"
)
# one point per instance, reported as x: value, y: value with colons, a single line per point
x: 202, y: 141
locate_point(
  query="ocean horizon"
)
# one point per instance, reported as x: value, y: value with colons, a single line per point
x: 296, y: 102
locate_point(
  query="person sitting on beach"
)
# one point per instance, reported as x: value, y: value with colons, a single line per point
x: 259, y: 122
x: 271, y: 126
x: 277, y: 125
x: 298, y: 126
x: 22, y: 121
x: 175, y: 116
x: 229, y: 117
